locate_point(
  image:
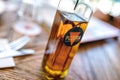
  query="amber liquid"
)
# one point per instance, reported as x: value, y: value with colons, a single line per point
x: 58, y: 56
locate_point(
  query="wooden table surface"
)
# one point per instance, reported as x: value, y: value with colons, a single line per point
x: 94, y: 61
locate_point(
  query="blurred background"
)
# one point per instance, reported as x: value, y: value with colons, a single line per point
x: 30, y: 11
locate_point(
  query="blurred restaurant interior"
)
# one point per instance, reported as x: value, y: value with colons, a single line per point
x: 98, y: 57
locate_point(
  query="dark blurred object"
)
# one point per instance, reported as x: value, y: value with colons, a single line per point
x: 115, y: 13
x: 113, y: 20
x: 0, y: 22
x: 109, y: 13
x: 99, y: 14
x: 116, y: 21
x: 2, y: 9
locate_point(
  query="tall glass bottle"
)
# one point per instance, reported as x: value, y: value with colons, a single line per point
x: 70, y: 22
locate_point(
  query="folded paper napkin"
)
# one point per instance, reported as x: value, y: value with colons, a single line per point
x: 5, y: 62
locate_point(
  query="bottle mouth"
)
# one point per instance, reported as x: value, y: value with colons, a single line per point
x: 86, y: 8
x: 78, y: 7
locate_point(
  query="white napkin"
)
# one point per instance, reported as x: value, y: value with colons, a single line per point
x: 5, y: 62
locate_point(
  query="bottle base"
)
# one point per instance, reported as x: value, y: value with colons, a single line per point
x: 53, y: 78
x: 50, y: 74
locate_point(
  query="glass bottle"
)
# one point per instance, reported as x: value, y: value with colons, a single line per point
x: 70, y: 22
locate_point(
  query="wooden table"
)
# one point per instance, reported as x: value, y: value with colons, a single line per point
x: 94, y: 61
